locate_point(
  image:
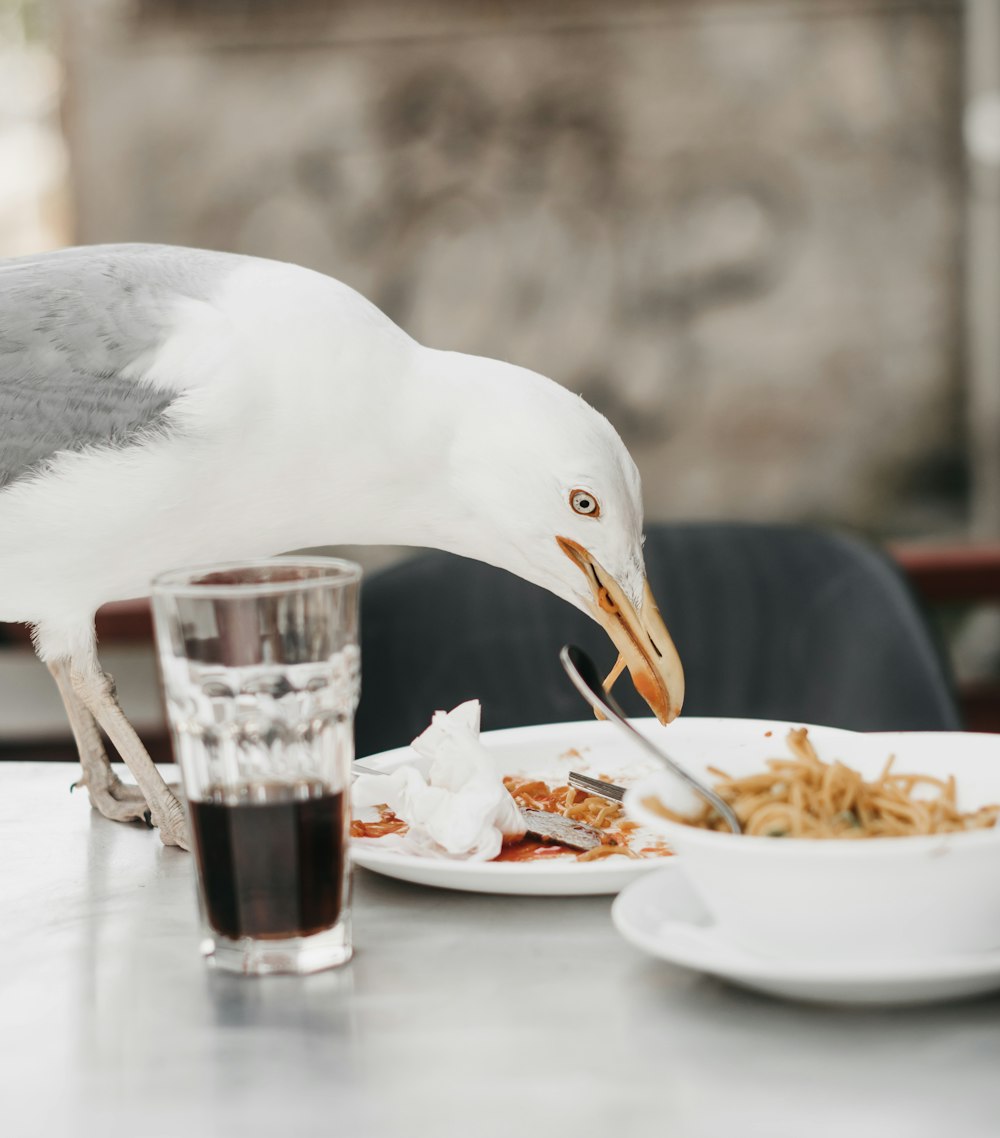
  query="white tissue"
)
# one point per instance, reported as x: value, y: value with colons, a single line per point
x: 462, y: 808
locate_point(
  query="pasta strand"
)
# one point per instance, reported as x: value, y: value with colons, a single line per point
x: 805, y: 797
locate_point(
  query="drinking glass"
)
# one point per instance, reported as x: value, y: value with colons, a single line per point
x: 261, y: 667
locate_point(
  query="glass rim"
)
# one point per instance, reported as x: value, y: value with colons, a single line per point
x: 337, y: 572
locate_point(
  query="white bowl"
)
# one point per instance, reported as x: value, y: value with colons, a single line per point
x: 871, y: 899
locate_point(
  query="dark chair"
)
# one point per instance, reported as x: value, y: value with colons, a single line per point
x: 770, y: 622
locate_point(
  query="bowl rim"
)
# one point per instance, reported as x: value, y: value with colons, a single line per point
x: 759, y: 844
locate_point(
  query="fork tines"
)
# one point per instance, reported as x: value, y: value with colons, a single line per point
x: 596, y: 786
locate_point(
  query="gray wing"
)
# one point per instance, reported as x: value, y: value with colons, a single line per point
x: 70, y: 323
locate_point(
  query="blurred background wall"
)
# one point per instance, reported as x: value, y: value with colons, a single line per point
x: 34, y: 176
x: 734, y: 227
x: 741, y: 228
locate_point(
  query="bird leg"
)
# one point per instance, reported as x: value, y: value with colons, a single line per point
x: 96, y: 690
x: 117, y: 800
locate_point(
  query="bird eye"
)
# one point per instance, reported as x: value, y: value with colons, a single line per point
x: 583, y: 502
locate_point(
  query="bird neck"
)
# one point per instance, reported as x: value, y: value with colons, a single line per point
x: 373, y: 462
x: 423, y: 471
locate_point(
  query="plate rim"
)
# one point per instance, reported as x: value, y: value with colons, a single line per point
x: 556, y: 868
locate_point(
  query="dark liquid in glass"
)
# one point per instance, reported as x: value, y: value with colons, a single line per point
x: 272, y: 858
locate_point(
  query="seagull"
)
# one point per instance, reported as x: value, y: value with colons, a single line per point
x: 163, y: 407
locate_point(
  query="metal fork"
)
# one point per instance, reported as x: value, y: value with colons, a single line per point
x: 587, y: 681
x: 360, y: 768
x: 610, y: 790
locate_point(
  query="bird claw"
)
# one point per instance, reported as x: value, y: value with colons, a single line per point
x: 171, y: 823
x: 119, y: 801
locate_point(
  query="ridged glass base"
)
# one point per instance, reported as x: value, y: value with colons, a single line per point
x: 298, y: 956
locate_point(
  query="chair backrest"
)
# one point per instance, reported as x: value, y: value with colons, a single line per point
x: 770, y: 622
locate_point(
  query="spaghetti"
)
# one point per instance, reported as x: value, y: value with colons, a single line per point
x: 804, y: 797
x: 534, y: 794
x: 388, y: 823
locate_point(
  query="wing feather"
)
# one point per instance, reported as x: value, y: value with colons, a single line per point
x: 73, y: 326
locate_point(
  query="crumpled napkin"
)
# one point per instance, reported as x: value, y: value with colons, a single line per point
x: 461, y: 809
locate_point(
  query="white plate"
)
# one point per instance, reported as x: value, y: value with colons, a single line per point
x: 538, y: 752
x: 663, y: 916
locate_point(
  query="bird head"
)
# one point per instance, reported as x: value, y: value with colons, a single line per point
x: 551, y: 493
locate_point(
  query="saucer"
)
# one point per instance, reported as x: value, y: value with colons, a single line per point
x: 663, y: 916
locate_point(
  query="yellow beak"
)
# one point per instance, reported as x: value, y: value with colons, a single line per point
x: 640, y: 637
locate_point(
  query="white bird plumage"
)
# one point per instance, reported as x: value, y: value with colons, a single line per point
x: 274, y: 408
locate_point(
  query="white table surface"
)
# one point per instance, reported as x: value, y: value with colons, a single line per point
x: 461, y: 1015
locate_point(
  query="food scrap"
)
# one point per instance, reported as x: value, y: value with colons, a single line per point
x: 591, y: 809
x: 534, y: 794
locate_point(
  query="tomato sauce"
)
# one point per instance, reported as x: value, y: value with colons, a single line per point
x: 528, y: 849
